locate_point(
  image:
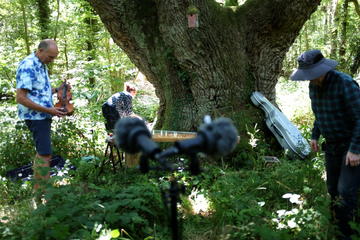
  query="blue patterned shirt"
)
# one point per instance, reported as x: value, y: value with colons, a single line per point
x: 33, y: 75
x: 336, y: 106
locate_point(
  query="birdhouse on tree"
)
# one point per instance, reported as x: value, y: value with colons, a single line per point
x: 193, y: 16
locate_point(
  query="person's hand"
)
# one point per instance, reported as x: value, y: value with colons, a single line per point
x: 352, y: 159
x: 314, y: 145
x: 56, y: 111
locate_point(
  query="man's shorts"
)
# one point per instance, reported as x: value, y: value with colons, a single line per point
x: 40, y: 130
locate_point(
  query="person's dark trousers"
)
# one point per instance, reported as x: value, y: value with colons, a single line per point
x: 343, y: 184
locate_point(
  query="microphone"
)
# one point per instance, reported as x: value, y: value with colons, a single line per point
x: 132, y: 135
x: 217, y: 138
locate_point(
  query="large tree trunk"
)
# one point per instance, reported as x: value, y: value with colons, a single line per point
x: 211, y: 69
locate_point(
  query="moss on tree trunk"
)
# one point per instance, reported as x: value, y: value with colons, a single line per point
x: 211, y: 69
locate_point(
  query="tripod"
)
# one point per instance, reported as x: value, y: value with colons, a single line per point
x: 218, y: 137
x: 172, y: 195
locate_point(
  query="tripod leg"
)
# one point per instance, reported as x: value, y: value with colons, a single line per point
x: 112, y: 158
x: 174, y: 197
x: 119, y: 156
x: 104, y: 160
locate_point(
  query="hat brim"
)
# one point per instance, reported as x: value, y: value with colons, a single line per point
x: 314, y: 71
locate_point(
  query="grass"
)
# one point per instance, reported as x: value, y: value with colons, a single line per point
x: 246, y: 203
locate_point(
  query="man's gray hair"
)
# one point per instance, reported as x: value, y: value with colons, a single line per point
x: 44, y: 44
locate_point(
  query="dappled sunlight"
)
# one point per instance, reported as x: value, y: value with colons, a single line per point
x: 63, y: 179
x: 200, y: 204
x: 8, y: 116
x: 107, y: 234
x: 222, y: 2
x: 78, y: 102
x: 295, y: 102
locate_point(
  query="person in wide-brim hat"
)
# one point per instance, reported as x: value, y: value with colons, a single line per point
x: 335, y: 101
x: 312, y: 65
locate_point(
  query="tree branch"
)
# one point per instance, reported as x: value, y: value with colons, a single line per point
x: 357, y: 7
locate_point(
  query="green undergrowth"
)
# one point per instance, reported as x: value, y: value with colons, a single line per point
x: 78, y: 208
x: 237, y: 197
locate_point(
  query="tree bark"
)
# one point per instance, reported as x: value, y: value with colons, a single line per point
x: 43, y: 14
x: 66, y: 53
x: 26, y: 32
x: 57, y: 20
x: 356, y: 5
x: 343, y: 36
x: 211, y: 69
x: 92, y: 28
x: 355, y: 64
x: 334, y: 22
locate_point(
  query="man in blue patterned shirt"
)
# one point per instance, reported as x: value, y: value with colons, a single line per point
x: 35, y: 106
x: 335, y: 101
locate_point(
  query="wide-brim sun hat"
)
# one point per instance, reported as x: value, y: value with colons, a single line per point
x: 312, y: 64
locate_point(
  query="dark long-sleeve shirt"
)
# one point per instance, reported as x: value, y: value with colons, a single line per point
x: 336, y: 106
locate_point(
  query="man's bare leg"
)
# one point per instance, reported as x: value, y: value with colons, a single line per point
x: 41, y: 172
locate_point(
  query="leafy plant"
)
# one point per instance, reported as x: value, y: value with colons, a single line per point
x: 84, y: 210
x: 16, y: 145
